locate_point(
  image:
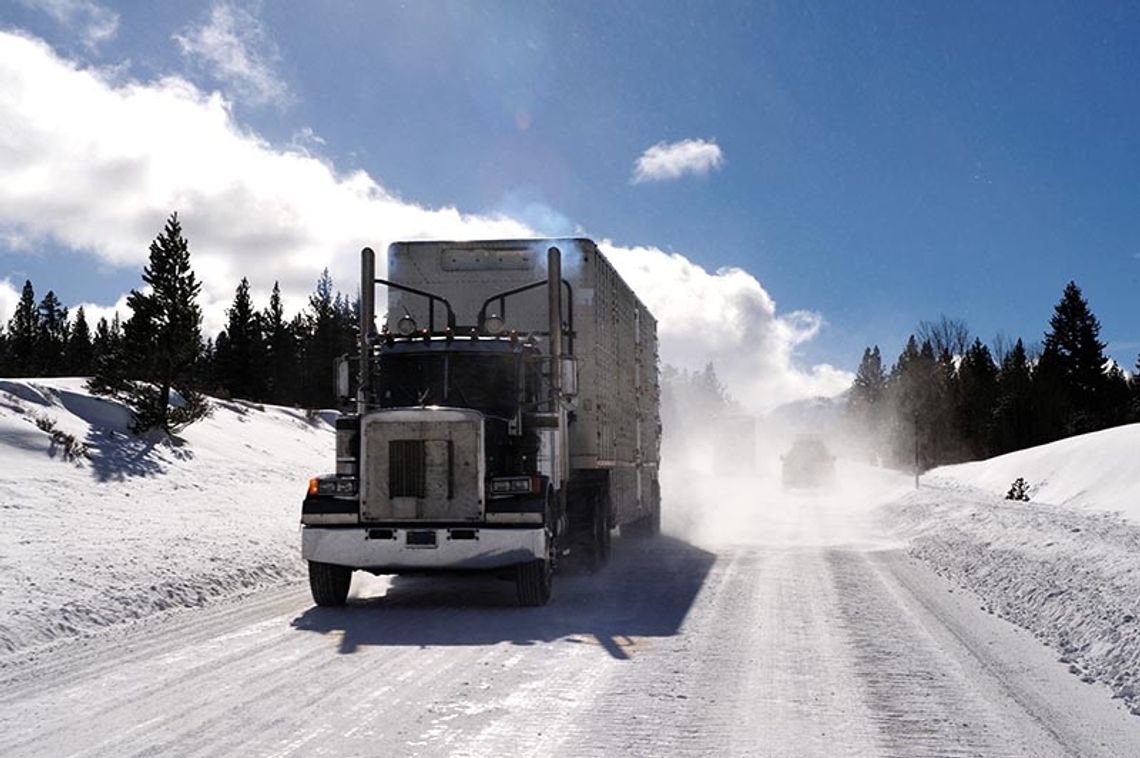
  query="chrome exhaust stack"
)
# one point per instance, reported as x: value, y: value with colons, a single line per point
x: 367, y: 324
x: 554, y: 290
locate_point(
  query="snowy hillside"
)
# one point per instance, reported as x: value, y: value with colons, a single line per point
x: 1098, y: 471
x: 100, y: 526
x: 1065, y: 565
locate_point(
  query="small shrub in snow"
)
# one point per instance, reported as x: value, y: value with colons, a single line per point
x: 72, y: 448
x: 1018, y: 490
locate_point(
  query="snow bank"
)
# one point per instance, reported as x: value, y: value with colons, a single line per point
x: 100, y: 526
x: 1098, y: 471
x: 1068, y: 569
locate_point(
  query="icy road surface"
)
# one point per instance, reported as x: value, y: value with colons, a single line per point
x: 791, y: 629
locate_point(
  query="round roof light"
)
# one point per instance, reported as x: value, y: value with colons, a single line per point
x: 406, y: 326
x: 493, y: 324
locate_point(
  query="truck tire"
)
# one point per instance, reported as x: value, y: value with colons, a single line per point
x: 329, y: 584
x: 533, y: 582
x: 589, y: 530
x: 598, y: 548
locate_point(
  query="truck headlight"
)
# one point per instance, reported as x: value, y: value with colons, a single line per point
x: 334, y: 486
x: 516, y: 485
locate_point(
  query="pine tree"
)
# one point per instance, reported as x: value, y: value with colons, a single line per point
x: 1013, y: 409
x: 241, y: 360
x: 51, y: 339
x: 4, y: 369
x: 1073, y: 365
x: 903, y: 394
x: 107, y: 370
x: 865, y: 404
x: 206, y: 370
x: 101, y: 348
x: 870, y: 380
x: 918, y: 398
x: 322, y: 344
x: 711, y: 395
x: 221, y: 353
x: 162, y: 340
x: 23, y: 334
x: 1135, y: 414
x: 281, y: 349
x: 693, y: 401
x: 80, y: 354
x: 977, y: 385
x: 300, y: 326
x: 1117, y: 396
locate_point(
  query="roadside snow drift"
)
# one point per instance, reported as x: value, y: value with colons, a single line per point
x: 1098, y: 471
x: 1065, y: 565
x: 101, y: 526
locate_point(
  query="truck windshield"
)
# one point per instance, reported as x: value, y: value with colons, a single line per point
x: 484, y: 382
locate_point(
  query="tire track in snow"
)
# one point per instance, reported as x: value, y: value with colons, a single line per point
x: 925, y: 698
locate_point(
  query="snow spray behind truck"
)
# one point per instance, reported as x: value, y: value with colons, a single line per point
x: 507, y: 419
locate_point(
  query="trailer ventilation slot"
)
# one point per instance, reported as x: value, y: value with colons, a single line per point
x: 381, y: 534
x: 406, y: 469
x: 462, y: 534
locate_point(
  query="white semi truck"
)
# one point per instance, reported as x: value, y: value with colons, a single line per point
x: 506, y: 419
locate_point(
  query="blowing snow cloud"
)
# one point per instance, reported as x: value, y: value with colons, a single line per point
x: 104, y: 184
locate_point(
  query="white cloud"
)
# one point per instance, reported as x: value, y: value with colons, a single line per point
x: 95, y: 23
x: 103, y: 185
x: 728, y: 318
x: 9, y: 299
x: 306, y: 142
x: 94, y: 311
x: 234, y: 47
x: 671, y: 161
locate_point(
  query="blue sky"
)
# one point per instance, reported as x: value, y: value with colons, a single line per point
x: 879, y: 163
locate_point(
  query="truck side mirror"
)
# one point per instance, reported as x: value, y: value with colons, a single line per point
x: 342, y: 378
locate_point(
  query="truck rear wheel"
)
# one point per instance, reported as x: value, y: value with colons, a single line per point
x: 533, y: 581
x: 592, y: 540
x: 603, y: 536
x: 328, y: 583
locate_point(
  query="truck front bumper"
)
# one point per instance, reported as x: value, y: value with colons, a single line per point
x: 396, y: 550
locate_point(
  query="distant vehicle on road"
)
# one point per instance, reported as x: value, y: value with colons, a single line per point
x: 808, y: 464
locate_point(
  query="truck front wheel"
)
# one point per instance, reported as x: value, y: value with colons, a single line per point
x: 328, y: 583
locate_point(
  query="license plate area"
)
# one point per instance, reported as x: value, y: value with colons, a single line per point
x: 420, y: 538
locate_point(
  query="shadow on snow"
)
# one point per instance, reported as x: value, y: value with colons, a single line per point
x: 646, y: 591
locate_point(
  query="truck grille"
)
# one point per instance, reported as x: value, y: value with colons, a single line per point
x: 421, y: 464
x: 406, y: 468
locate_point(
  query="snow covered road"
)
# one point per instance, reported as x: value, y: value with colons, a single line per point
x: 801, y: 634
